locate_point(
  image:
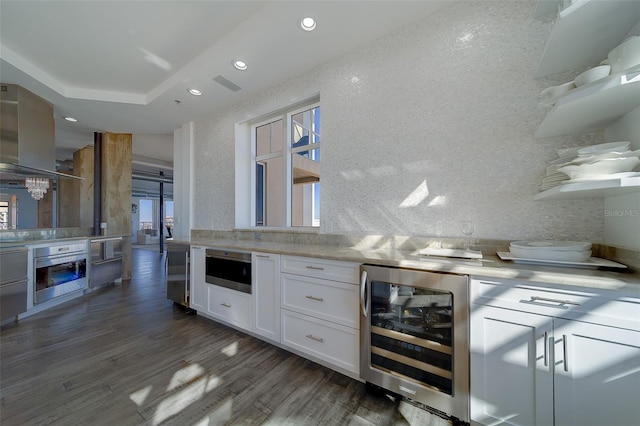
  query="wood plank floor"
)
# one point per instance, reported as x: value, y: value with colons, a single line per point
x: 124, y: 355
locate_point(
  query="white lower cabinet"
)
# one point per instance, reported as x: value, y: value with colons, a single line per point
x: 198, y: 289
x: 265, y: 288
x: 550, y: 367
x: 319, y: 310
x: 330, y: 342
x: 230, y: 306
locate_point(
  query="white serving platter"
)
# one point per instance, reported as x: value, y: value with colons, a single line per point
x: 592, y: 262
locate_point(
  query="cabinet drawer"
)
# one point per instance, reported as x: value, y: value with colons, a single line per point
x: 334, y: 270
x: 329, y: 300
x: 599, y: 306
x: 333, y: 343
x: 230, y: 306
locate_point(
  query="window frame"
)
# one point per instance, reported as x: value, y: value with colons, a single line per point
x: 286, y: 115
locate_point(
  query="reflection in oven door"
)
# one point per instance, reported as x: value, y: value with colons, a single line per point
x: 55, y: 275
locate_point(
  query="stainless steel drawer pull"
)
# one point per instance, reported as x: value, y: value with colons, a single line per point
x: 546, y: 349
x: 317, y: 299
x: 63, y: 249
x: 263, y: 256
x: 317, y: 339
x: 547, y: 299
x: 226, y: 305
x: 315, y: 267
x: 566, y: 355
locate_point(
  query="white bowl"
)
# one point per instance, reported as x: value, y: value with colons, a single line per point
x: 625, y: 55
x: 593, y: 74
x: 605, y: 147
x: 552, y: 245
x: 603, y: 167
x: 550, y: 95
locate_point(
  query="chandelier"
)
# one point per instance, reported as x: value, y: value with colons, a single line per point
x: 37, y: 186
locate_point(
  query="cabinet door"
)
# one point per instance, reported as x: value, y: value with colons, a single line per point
x: 198, y: 296
x: 266, y: 295
x: 511, y: 377
x: 597, y: 374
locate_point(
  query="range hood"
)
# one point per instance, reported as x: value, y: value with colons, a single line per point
x: 27, y: 135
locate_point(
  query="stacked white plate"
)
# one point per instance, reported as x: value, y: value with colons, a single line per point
x: 565, y: 251
x: 597, y: 162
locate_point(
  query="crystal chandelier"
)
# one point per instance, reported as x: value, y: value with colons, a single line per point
x: 37, y: 186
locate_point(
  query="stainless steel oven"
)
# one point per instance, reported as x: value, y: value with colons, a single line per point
x: 414, y: 335
x: 230, y: 269
x: 59, y: 269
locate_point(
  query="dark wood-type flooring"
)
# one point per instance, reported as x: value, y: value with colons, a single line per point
x: 125, y: 355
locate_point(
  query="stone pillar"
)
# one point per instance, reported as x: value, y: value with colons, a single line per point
x: 116, y: 191
x: 45, y: 208
x: 68, y: 203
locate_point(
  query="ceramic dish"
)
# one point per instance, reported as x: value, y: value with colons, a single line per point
x: 550, y: 95
x: 593, y: 74
x: 607, y: 166
x: 605, y: 147
x: 602, y: 177
x: 556, y: 255
x: 552, y: 245
x: 625, y: 55
x: 592, y: 262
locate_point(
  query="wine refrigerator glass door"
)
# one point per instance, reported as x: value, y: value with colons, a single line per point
x: 414, y: 335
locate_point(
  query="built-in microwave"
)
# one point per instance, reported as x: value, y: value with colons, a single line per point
x: 230, y: 269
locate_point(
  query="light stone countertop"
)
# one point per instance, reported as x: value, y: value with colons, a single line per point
x: 490, y: 266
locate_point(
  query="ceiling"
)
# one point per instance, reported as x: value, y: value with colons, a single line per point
x: 125, y: 66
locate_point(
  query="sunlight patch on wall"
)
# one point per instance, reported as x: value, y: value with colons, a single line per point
x: 383, y: 171
x: 438, y: 200
x: 352, y: 174
x: 417, y: 196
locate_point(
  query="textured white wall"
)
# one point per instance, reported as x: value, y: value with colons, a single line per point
x: 427, y: 126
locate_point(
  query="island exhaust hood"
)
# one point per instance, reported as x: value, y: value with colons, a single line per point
x: 27, y: 136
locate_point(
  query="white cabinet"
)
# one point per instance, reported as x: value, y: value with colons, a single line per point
x: 198, y: 293
x: 542, y: 355
x: 265, y: 273
x: 230, y: 306
x: 319, y: 310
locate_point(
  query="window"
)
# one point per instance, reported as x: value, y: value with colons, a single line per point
x: 287, y: 169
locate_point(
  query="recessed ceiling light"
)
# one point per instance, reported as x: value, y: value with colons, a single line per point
x: 240, y: 65
x: 308, y: 24
x: 71, y: 119
x: 194, y: 92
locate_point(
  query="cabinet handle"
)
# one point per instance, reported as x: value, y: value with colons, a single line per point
x: 225, y: 304
x: 264, y: 256
x: 317, y: 299
x: 566, y: 355
x: 546, y: 349
x: 317, y: 339
x: 535, y: 299
x: 363, y: 296
x: 315, y: 268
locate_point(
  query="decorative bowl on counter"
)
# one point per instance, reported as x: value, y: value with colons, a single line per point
x: 593, y: 74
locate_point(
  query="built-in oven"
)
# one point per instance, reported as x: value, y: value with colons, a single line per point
x: 58, y: 270
x: 414, y: 335
x: 230, y: 269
